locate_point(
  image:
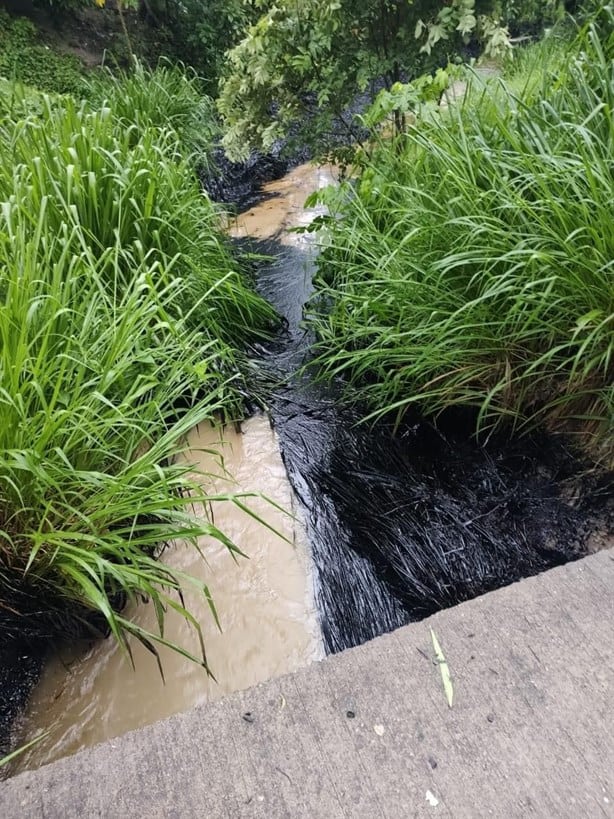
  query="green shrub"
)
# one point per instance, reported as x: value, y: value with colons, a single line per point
x: 471, y: 263
x: 25, y: 58
x: 533, y: 13
x: 200, y: 33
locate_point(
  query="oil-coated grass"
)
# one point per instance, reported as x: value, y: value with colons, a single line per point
x: 472, y: 262
x: 119, y: 303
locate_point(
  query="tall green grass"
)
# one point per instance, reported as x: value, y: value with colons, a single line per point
x: 90, y: 486
x: 167, y: 97
x: 119, y: 303
x: 472, y: 262
x: 130, y: 186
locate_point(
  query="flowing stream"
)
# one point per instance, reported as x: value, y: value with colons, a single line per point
x: 265, y: 603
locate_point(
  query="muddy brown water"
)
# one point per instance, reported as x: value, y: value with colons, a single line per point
x: 265, y: 602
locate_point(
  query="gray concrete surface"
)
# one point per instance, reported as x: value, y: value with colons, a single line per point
x: 369, y: 733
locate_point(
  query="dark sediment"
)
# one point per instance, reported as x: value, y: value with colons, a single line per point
x: 405, y: 523
x: 20, y: 668
x: 238, y: 183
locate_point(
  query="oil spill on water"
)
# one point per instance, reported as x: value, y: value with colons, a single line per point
x: 404, y: 523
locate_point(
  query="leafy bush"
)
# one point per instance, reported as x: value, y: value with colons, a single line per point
x: 119, y: 304
x: 300, y: 68
x: 25, y: 58
x: 471, y: 263
x: 533, y: 15
x: 203, y: 32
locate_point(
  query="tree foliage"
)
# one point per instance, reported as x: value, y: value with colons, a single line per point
x: 201, y: 33
x: 305, y: 62
x: 534, y: 14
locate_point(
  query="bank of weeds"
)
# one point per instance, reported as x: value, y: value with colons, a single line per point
x: 25, y: 58
x: 120, y: 303
x: 471, y: 262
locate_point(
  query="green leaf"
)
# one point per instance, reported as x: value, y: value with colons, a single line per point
x: 444, y: 669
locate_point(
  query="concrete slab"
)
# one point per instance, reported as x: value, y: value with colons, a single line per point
x: 369, y: 733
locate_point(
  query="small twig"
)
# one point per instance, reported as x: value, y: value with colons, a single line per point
x: 284, y: 774
x: 120, y: 9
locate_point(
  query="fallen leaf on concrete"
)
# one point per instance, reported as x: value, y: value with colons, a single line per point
x: 444, y: 669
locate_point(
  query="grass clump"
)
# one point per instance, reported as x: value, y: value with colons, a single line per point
x: 131, y: 187
x: 471, y: 263
x: 168, y: 96
x: 119, y: 303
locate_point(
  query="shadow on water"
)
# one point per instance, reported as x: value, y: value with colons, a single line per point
x: 404, y: 525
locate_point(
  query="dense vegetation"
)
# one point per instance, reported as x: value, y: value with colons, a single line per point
x: 302, y: 65
x: 193, y: 33
x: 470, y: 262
x: 119, y: 304
x: 25, y: 57
x: 301, y: 68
